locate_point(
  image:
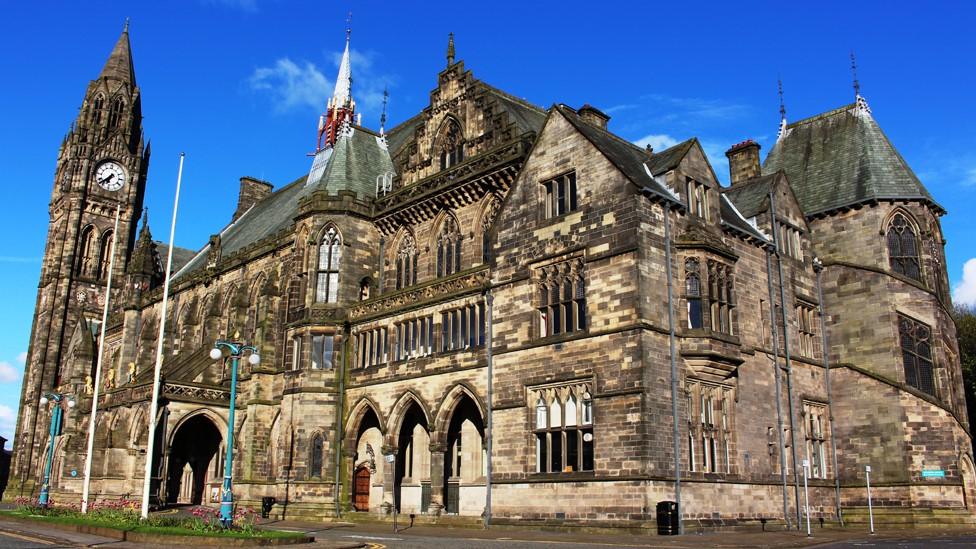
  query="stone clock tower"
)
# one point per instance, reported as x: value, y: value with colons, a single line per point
x: 102, y: 164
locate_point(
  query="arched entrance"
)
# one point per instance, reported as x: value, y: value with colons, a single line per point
x: 968, y: 474
x: 193, y: 461
x: 367, y: 475
x: 411, y: 483
x: 464, y: 476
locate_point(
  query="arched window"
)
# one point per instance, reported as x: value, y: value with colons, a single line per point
x: 902, y: 248
x: 406, y: 262
x: 451, y: 145
x: 97, y: 105
x: 104, y: 256
x: 487, y: 220
x: 449, y: 248
x: 330, y: 252
x: 86, y: 251
x: 693, y: 293
x: 115, y: 114
x: 562, y: 299
x: 315, y: 450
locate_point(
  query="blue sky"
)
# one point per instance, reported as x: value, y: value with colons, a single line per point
x: 238, y: 86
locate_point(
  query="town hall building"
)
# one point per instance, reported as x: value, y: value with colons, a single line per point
x: 492, y: 295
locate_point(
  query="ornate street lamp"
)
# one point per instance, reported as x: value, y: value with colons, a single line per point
x: 56, y: 399
x: 234, y: 351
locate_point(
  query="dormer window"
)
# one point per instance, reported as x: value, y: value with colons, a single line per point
x: 697, y: 199
x: 451, y: 146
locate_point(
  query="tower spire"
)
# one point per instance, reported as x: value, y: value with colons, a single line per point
x: 386, y: 98
x: 343, y: 87
x: 782, y: 111
x: 450, y: 49
x: 860, y: 103
x: 341, y: 108
x: 119, y: 64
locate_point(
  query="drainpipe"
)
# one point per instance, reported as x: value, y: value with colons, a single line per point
x: 379, y: 283
x: 818, y: 268
x: 786, y: 355
x: 489, y: 300
x: 779, y: 390
x: 337, y: 497
x: 674, y: 366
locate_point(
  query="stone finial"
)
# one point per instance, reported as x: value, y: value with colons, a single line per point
x: 450, y: 49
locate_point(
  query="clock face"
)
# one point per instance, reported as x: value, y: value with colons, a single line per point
x: 110, y: 176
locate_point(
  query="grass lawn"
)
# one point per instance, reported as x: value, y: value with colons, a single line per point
x: 172, y: 526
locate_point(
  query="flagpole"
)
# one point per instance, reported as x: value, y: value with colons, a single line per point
x: 154, y: 403
x: 98, y: 365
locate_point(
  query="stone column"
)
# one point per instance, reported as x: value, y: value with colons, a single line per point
x: 347, y: 470
x: 437, y: 452
x: 389, y: 479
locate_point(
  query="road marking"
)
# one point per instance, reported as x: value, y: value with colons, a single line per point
x: 375, y: 546
x: 373, y: 537
x: 10, y: 534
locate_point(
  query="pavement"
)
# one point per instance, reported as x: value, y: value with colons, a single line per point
x: 336, y: 535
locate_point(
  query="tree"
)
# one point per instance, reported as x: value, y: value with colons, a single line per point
x: 965, y: 317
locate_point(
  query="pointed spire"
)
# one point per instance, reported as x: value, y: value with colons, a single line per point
x: 119, y: 64
x: 144, y: 231
x: 343, y: 87
x: 386, y: 98
x: 450, y: 49
x: 861, y: 104
x: 782, y: 111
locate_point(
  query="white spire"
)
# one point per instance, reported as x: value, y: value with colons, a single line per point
x: 343, y: 87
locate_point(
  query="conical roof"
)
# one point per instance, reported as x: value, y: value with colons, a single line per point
x: 119, y: 64
x: 841, y: 158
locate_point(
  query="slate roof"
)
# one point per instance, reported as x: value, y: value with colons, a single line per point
x: 634, y: 162
x: 353, y: 164
x: 750, y: 196
x: 841, y: 158
x: 734, y: 218
x: 181, y: 256
x: 263, y: 219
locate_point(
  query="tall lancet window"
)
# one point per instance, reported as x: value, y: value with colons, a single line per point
x: 330, y: 252
x: 449, y: 248
x: 86, y: 251
x: 451, y: 145
x: 97, y: 105
x: 406, y: 263
x: 903, y: 248
x: 104, y: 256
x: 115, y: 115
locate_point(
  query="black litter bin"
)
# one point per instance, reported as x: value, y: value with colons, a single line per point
x: 667, y: 518
x: 267, y: 502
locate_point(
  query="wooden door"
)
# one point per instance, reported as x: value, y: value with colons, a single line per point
x: 361, y: 489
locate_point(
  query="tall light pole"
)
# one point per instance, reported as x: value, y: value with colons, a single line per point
x: 234, y: 350
x: 57, y: 399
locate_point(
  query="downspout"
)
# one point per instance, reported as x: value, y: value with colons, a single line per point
x: 337, y: 497
x: 489, y: 300
x: 786, y: 356
x: 379, y: 283
x: 818, y: 268
x: 674, y: 366
x: 779, y: 390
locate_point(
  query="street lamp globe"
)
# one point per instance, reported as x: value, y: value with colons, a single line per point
x: 215, y: 353
x: 254, y: 359
x: 71, y: 404
x: 44, y: 401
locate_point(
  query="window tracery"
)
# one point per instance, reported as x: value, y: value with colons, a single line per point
x: 563, y: 428
x: 406, y: 263
x: 562, y: 298
x: 903, y: 248
x: 330, y: 253
x: 448, y: 248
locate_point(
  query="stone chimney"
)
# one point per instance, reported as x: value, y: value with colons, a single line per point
x: 593, y: 116
x: 252, y: 191
x: 743, y: 161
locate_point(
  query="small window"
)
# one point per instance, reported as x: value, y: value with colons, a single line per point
x: 916, y: 350
x: 562, y: 299
x: 296, y: 352
x: 560, y: 195
x: 323, y: 351
x: 452, y: 145
x: 693, y: 294
x: 406, y: 263
x: 315, y: 456
x: 449, y: 248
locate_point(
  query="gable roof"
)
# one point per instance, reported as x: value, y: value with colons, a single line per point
x: 634, y: 162
x: 751, y: 197
x: 841, y: 158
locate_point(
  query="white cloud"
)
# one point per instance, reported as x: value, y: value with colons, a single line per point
x: 965, y: 292
x: 8, y: 420
x: 244, y: 5
x: 292, y: 85
x: 970, y: 178
x: 22, y: 358
x: 658, y: 141
x: 8, y: 372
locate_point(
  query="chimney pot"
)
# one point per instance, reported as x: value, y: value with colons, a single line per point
x: 593, y: 116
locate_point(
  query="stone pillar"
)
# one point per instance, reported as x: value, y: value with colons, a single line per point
x: 389, y: 479
x: 437, y: 452
x: 347, y: 470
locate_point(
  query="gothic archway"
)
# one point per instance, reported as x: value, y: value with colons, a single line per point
x: 193, y: 461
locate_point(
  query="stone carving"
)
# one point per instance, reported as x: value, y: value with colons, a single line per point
x: 411, y: 296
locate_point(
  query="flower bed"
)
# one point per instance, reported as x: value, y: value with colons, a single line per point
x: 123, y: 515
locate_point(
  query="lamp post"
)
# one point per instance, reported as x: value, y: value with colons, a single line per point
x: 57, y: 399
x: 234, y: 350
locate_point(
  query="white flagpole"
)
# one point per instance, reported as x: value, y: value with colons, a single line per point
x: 98, y: 366
x: 154, y: 403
